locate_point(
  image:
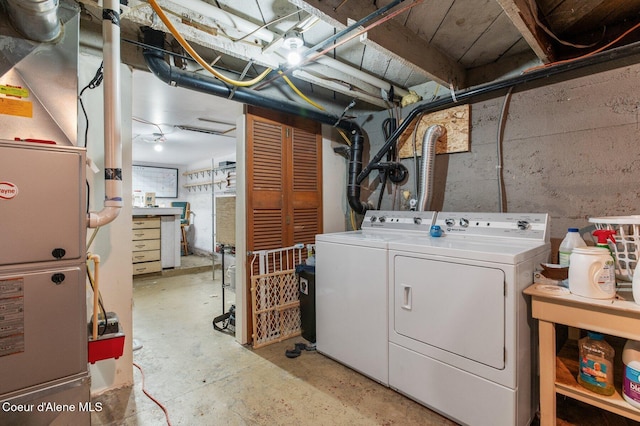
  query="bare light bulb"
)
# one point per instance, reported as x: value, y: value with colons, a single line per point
x: 294, y: 58
x: 157, y: 147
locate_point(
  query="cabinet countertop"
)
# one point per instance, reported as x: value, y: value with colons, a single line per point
x: 157, y: 211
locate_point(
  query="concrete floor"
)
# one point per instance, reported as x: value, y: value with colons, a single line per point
x: 203, y: 377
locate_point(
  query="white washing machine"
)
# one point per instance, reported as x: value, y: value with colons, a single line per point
x: 352, y: 293
x: 460, y: 331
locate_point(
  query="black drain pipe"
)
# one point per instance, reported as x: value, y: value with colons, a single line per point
x: 210, y: 85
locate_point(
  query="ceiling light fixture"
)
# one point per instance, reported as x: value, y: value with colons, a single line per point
x: 157, y: 147
x: 293, y: 42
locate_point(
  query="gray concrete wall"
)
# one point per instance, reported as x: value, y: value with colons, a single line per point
x: 570, y: 149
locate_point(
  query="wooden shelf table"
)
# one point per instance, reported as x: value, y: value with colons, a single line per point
x: 617, y: 317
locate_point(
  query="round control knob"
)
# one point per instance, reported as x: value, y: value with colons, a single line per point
x: 417, y: 220
x: 382, y: 219
x: 449, y: 222
x: 464, y: 222
x: 523, y: 224
x: 373, y: 218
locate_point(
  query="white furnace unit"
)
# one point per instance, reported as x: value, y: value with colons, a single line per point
x: 43, y: 327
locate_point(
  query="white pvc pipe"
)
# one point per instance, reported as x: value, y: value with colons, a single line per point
x: 112, y: 116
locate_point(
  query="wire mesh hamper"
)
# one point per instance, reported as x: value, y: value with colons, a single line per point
x: 274, y: 295
x: 627, y: 245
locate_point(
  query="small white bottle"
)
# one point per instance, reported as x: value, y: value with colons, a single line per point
x: 631, y: 373
x: 571, y: 240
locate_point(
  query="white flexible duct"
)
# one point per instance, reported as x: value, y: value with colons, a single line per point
x: 36, y: 19
x: 112, y: 114
x: 426, y: 170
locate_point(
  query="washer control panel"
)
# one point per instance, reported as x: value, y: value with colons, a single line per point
x: 398, y: 220
x: 516, y: 225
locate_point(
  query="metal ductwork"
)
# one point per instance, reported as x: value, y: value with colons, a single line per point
x: 35, y: 19
x: 206, y: 84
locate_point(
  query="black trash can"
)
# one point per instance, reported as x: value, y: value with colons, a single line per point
x: 307, y: 294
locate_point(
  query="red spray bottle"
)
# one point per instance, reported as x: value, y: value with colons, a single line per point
x: 604, y: 236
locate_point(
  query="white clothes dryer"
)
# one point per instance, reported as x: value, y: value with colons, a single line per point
x: 461, y: 338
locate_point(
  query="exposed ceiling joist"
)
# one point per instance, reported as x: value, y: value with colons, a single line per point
x: 391, y: 38
x: 520, y: 13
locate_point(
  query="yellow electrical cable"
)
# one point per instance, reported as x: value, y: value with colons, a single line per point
x: 352, y: 216
x: 299, y: 93
x: 197, y: 57
x: 344, y: 137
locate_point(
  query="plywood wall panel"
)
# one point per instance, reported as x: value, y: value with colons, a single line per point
x: 456, y: 139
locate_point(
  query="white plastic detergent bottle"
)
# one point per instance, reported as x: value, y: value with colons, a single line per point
x: 571, y: 240
x: 631, y: 373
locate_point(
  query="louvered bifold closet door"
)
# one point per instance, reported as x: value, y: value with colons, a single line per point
x: 266, y: 177
x: 306, y: 194
x: 284, y: 185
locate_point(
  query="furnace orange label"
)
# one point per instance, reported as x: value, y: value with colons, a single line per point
x: 8, y: 190
x: 16, y: 107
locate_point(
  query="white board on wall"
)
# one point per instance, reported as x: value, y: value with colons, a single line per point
x: 163, y: 181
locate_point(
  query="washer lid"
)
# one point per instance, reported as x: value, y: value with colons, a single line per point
x: 357, y: 238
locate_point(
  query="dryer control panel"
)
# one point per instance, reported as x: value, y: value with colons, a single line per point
x: 529, y: 226
x: 398, y: 220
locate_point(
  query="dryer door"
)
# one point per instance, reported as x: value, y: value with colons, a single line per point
x: 454, y: 307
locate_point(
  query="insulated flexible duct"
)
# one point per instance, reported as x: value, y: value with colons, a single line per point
x: 426, y: 170
x: 207, y: 84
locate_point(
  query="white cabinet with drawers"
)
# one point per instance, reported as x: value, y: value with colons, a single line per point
x: 146, y: 245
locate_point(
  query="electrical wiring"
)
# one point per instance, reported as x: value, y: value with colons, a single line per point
x: 186, y: 46
x: 352, y: 217
x: 95, y: 82
x: 334, y: 46
x: 533, y: 8
x: 500, y: 137
x: 598, y: 50
x: 143, y: 121
x: 344, y: 137
x: 282, y: 18
x: 144, y: 390
x: 299, y: 93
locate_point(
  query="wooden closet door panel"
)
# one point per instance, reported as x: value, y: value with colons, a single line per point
x: 265, y: 183
x: 306, y: 186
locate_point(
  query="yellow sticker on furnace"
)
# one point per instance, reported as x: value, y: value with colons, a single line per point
x: 16, y: 107
x: 18, y: 92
